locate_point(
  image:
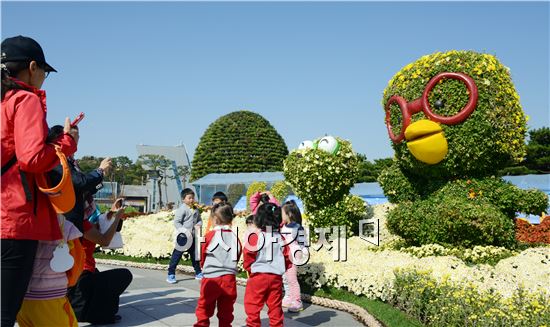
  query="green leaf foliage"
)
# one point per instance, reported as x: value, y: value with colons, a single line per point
x: 239, y: 142
x: 489, y: 139
x: 465, y: 213
x: 347, y: 212
x: 319, y: 178
x: 458, y: 202
x: 538, y: 150
x: 280, y: 191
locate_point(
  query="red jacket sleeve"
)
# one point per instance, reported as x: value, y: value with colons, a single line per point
x: 207, y: 238
x: 255, y: 201
x: 30, y: 131
x: 249, y: 257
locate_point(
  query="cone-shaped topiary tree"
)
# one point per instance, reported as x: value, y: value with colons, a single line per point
x: 239, y: 142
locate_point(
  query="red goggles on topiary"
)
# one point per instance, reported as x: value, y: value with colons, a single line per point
x: 422, y: 104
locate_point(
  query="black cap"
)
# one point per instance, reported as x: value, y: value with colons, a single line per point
x: 21, y: 48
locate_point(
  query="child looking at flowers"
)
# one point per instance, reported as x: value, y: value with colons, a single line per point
x: 266, y: 258
x: 185, y: 220
x: 293, y: 231
x: 259, y: 198
x: 219, y: 256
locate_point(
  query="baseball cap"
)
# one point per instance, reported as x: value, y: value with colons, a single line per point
x: 22, y: 48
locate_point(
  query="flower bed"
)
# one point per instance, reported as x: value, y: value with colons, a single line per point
x: 497, y: 274
x: 540, y: 233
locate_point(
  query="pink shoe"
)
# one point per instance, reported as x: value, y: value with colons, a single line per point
x: 295, y: 307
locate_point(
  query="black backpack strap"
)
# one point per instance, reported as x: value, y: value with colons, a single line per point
x: 24, y: 180
x: 9, y: 164
x: 26, y: 187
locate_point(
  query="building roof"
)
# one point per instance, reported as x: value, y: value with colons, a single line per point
x: 141, y: 191
x: 541, y: 182
x: 239, y: 178
x: 177, y: 153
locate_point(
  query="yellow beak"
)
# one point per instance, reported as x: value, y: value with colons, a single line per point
x: 426, y: 141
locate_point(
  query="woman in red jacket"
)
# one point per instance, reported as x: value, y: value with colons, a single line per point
x: 26, y: 214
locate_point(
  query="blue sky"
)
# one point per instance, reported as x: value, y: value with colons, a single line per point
x: 160, y: 73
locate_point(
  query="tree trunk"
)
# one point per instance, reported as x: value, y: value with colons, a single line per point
x: 160, y: 192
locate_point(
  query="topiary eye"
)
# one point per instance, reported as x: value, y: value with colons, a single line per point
x: 307, y: 144
x: 439, y: 104
x: 329, y: 144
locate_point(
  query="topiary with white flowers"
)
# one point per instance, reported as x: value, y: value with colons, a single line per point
x: 321, y: 173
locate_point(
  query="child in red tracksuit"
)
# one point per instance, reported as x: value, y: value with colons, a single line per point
x: 266, y: 258
x: 219, y: 256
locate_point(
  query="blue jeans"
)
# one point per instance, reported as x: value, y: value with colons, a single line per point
x: 176, y: 256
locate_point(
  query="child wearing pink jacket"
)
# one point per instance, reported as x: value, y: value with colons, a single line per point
x: 294, y: 235
x: 259, y: 198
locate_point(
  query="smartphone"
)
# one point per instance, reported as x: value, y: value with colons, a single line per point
x: 119, y: 227
x: 119, y: 204
x: 77, y: 119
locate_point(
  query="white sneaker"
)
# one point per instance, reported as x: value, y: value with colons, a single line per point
x: 171, y: 279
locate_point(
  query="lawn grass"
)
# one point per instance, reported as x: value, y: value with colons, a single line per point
x: 109, y: 256
x: 385, y: 313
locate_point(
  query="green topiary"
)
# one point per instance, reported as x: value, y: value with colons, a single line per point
x: 253, y: 188
x: 347, y: 212
x: 239, y: 142
x: 235, y: 192
x: 320, y: 178
x: 321, y: 174
x: 280, y: 191
x: 442, y: 176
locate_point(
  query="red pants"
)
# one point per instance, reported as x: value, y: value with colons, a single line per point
x: 261, y: 289
x: 221, y: 291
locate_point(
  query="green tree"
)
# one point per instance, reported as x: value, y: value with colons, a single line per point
x: 157, y: 166
x: 89, y: 163
x: 538, y: 150
x: 369, y: 171
x: 239, y: 142
x: 537, y: 160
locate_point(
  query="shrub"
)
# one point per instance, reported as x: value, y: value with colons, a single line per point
x: 347, y: 212
x: 479, y: 210
x: 234, y: 193
x: 280, y: 191
x: 445, y: 304
x: 239, y: 142
x: 253, y: 188
x: 451, y: 221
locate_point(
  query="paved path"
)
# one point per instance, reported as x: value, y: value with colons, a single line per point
x: 150, y: 301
